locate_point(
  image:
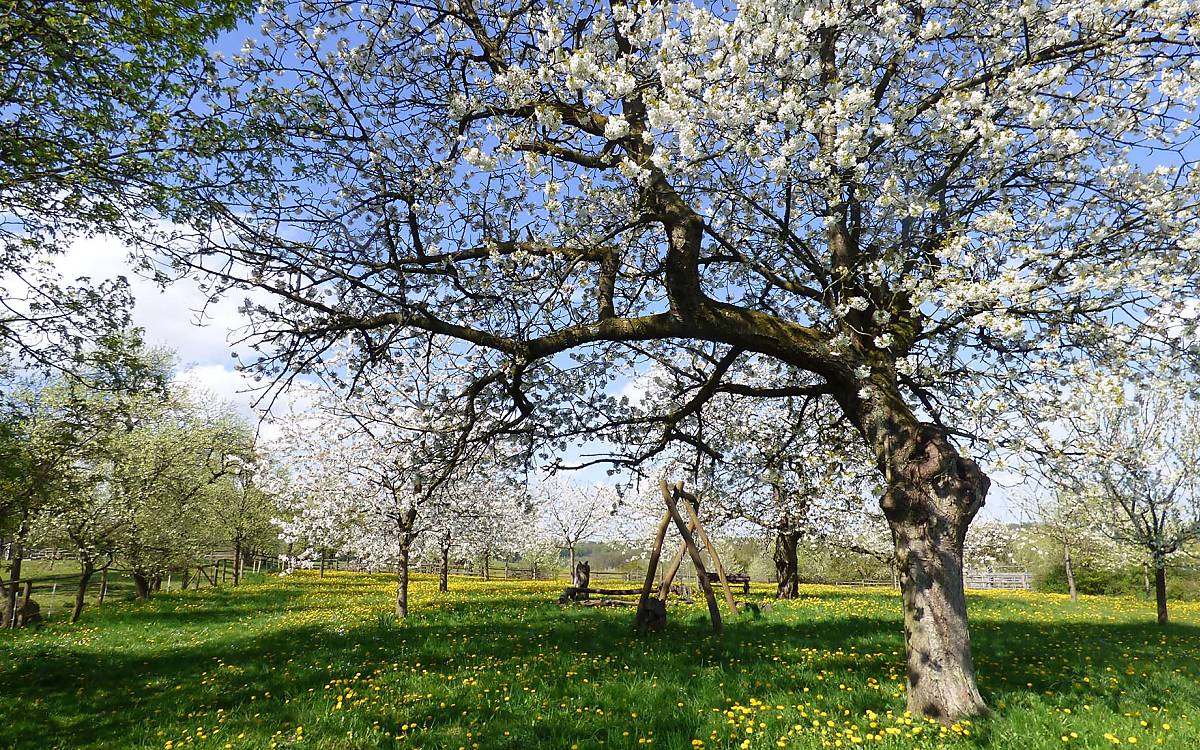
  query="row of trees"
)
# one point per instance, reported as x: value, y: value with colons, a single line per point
x: 119, y: 464
x: 928, y: 222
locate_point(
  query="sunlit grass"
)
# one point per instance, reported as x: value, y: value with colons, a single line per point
x: 317, y: 663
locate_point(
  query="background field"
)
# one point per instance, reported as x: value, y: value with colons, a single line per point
x: 315, y: 663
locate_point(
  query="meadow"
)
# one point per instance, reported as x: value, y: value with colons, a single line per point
x: 308, y: 662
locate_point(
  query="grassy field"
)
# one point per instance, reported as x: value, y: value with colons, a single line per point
x: 317, y: 663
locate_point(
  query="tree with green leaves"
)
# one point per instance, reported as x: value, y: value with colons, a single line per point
x: 113, y: 388
x: 241, y: 511
x: 91, y: 95
x: 162, y: 474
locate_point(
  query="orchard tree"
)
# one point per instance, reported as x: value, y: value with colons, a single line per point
x: 448, y: 540
x: 503, y: 523
x: 1142, y: 456
x: 1070, y: 521
x: 990, y: 544
x: 40, y: 445
x: 788, y: 465
x: 161, y: 475
x: 922, y: 211
x: 369, y: 472
x: 570, y: 513
x: 89, y: 114
x: 241, y: 511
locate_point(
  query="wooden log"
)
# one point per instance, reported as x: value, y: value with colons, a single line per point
x: 664, y: 587
x: 655, y: 553
x: 711, y: 551
x: 606, y: 592
x: 701, y: 573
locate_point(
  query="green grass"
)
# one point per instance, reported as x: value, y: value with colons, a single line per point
x: 317, y: 663
x: 55, y: 584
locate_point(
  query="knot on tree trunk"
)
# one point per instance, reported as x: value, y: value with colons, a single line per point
x: 928, y: 477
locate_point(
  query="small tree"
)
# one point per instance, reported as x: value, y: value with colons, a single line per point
x: 1131, y: 464
x: 1068, y: 521
x: 570, y: 513
x: 1147, y: 472
x: 989, y: 544
x: 787, y: 464
x: 241, y: 511
x: 370, y: 472
x: 161, y: 475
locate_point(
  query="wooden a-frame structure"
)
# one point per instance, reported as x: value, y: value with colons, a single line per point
x: 651, y: 611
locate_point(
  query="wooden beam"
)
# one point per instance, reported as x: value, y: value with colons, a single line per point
x: 701, y: 573
x: 712, y: 550
x: 655, y: 552
x: 665, y: 588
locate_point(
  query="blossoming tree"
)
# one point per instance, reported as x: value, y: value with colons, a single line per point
x: 786, y: 465
x: 367, y: 474
x: 571, y: 512
x: 927, y: 208
x: 1138, y: 462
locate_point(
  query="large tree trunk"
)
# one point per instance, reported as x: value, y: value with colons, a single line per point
x: 85, y: 577
x: 787, y: 567
x: 1160, y: 590
x: 141, y: 585
x: 444, y: 571
x: 487, y: 568
x: 1070, y: 572
x: 932, y: 495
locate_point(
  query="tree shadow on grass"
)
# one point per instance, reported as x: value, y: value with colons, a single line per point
x: 457, y: 667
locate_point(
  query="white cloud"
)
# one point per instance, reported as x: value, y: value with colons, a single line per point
x: 179, y: 317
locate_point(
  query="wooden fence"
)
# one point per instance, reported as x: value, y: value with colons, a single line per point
x: 56, y: 593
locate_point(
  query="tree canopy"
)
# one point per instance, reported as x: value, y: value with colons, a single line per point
x: 932, y: 214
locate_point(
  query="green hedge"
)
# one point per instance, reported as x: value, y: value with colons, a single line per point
x: 1182, y: 583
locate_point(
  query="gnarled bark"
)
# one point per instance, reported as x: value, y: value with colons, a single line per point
x: 933, y: 494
